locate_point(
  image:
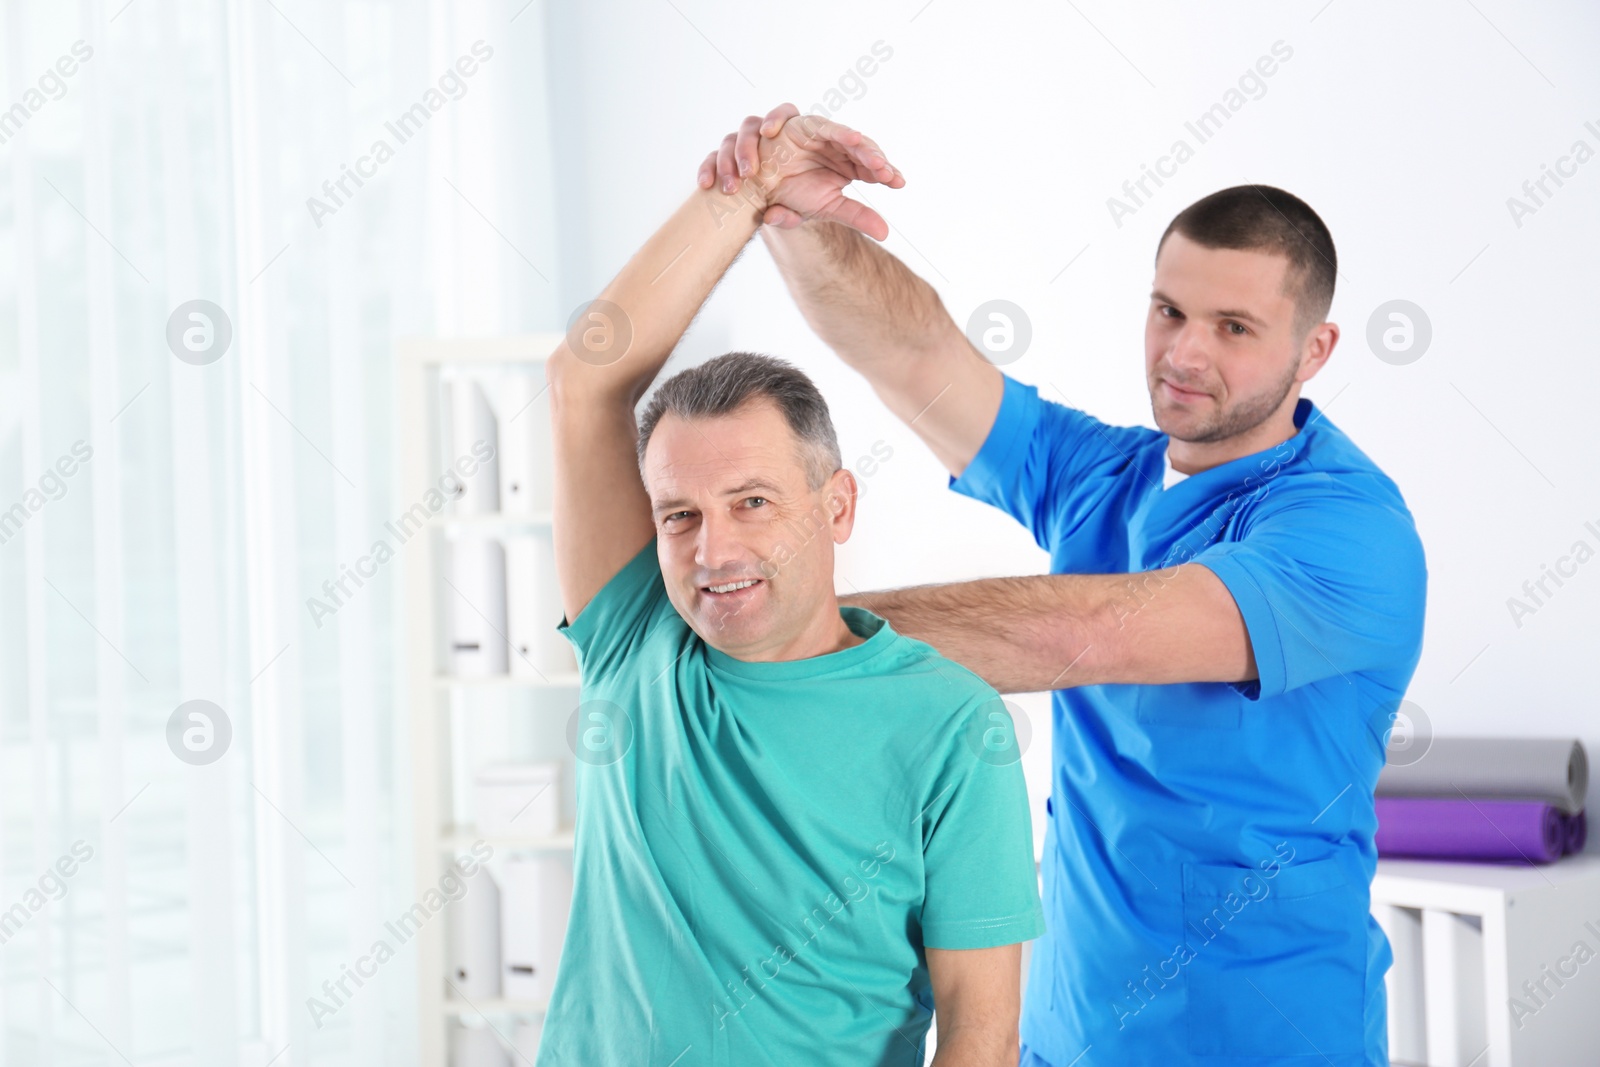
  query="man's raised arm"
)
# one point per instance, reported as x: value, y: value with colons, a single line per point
x: 870, y: 308
x: 619, y: 343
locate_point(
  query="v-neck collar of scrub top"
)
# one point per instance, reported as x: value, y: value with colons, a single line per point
x: 1171, y: 504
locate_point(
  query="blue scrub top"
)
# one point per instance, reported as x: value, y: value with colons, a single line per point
x: 1208, y: 853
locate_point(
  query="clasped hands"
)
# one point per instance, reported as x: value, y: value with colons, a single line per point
x: 796, y: 167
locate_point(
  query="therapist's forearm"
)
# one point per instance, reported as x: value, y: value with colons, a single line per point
x: 1017, y: 634
x: 860, y: 299
x: 1057, y: 631
x: 891, y: 327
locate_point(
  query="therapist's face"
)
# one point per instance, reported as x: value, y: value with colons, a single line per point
x: 733, y: 507
x: 1221, y: 355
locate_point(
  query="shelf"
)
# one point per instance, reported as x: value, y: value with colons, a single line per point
x: 495, y: 1006
x: 1469, y: 941
x: 552, y: 680
x: 493, y: 520
x: 1426, y: 882
x: 462, y: 838
x: 422, y: 366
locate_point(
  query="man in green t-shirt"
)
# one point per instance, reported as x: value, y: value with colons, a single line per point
x: 798, y: 831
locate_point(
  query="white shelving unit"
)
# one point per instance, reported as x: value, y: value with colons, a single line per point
x: 442, y: 706
x: 1466, y: 937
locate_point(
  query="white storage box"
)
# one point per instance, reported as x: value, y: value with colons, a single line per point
x: 477, y: 1046
x: 518, y: 799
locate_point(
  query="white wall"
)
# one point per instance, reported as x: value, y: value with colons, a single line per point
x: 1407, y: 130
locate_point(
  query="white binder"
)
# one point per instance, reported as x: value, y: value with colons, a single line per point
x: 524, y: 615
x: 533, y: 609
x: 473, y: 433
x: 534, y: 900
x: 477, y: 598
x: 525, y: 477
x: 473, y: 941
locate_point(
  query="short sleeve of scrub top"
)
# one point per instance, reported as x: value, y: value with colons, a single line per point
x: 1045, y: 464
x: 1323, y: 579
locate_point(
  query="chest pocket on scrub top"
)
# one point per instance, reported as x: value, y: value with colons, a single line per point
x: 1194, y: 705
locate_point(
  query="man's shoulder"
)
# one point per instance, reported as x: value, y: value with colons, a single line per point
x: 1325, y: 473
x: 628, y: 620
x: 931, y: 683
x: 1330, y: 457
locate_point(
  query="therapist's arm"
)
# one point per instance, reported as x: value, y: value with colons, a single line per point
x: 871, y: 309
x: 1057, y: 631
x: 976, y: 999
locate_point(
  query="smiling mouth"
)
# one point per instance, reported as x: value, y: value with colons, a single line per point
x: 730, y: 589
x: 1181, y: 392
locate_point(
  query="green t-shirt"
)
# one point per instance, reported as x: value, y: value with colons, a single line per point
x: 764, y: 849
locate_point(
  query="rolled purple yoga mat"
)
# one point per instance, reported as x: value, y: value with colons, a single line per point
x: 1577, y: 832
x: 1445, y: 828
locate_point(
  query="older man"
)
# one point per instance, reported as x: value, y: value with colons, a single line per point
x: 798, y: 832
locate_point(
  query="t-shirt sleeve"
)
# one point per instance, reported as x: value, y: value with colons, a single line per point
x: 616, y: 621
x: 981, y: 885
x: 1046, y: 465
x: 1329, y: 583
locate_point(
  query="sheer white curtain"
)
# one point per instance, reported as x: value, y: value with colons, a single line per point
x: 164, y: 520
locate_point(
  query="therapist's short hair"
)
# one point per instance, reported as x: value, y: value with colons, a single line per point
x: 1261, y: 218
x: 725, y: 384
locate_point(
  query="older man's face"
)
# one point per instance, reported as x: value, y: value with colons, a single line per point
x: 746, y: 546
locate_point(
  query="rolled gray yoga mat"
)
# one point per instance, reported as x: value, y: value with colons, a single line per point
x: 1553, y: 770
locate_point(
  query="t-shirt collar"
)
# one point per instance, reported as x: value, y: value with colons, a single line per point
x: 879, y: 635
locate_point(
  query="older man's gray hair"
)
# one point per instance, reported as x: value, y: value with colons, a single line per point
x: 722, y: 385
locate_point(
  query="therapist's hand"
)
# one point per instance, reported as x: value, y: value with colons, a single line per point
x: 798, y: 166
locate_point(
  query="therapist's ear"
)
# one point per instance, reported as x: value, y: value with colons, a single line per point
x: 839, y: 500
x: 1316, y: 350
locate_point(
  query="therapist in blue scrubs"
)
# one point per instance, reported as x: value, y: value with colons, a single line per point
x: 1234, y: 611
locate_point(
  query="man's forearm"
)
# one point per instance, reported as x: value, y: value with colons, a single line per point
x: 1057, y: 631
x: 627, y: 334
x: 891, y: 327
x: 859, y: 298
x: 1017, y: 634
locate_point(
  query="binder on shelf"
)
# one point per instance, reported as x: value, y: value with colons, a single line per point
x: 472, y: 434
x: 524, y: 406
x: 522, y: 610
x: 533, y: 610
x: 477, y: 607
x: 473, y: 942
x: 535, y: 897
